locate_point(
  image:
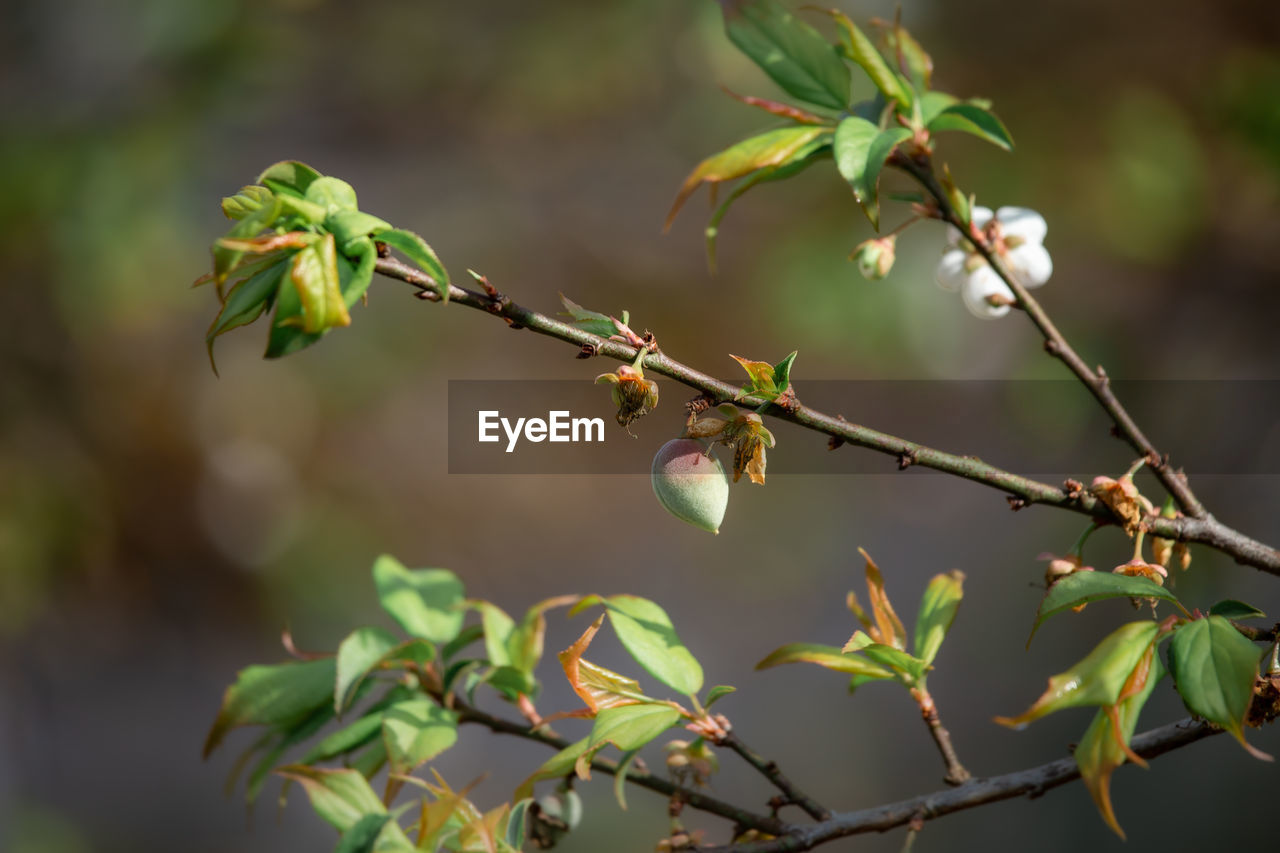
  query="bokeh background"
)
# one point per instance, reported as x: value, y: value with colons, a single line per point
x: 160, y: 526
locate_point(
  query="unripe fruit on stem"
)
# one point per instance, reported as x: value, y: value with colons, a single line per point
x: 689, y: 484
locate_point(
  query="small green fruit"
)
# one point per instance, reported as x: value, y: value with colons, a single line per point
x: 690, y: 484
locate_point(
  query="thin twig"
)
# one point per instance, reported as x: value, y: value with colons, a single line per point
x: 956, y: 773
x: 977, y: 792
x: 791, y: 794
x: 1025, y: 491
x: 1056, y: 344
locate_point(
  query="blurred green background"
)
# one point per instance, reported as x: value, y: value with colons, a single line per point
x: 159, y: 526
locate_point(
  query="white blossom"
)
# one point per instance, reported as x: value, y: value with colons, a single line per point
x: 1016, y: 234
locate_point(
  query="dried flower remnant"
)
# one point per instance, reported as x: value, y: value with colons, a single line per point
x: 634, y: 395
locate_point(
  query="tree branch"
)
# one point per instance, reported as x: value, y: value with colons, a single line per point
x: 1022, y: 491
x: 1032, y: 783
x: 740, y: 817
x: 1056, y: 344
x: 791, y: 794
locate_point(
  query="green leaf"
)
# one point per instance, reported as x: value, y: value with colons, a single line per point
x: 225, y: 259
x: 286, y: 738
x: 896, y: 659
x: 761, y: 374
x: 1082, y: 587
x: 932, y: 103
x: 938, y: 608
x: 516, y: 823
x: 647, y: 633
x: 416, y: 249
x: 772, y: 148
x: 289, y: 176
x: 355, y: 280
x: 630, y: 727
x: 245, y: 202
x: 620, y: 778
x: 557, y: 766
x: 333, y: 194
x: 825, y: 656
x: 1098, y: 678
x: 791, y: 52
x: 427, y: 603
x: 498, y: 631
x: 340, y: 797
x: 415, y: 731
x: 346, y: 739
x: 800, y: 160
x: 717, y: 693
x: 246, y: 302
x: 912, y: 59
x: 859, y: 48
x: 349, y: 225
x: 1099, y: 753
x: 1214, y: 667
x: 1232, y: 609
x: 314, y: 274
x: 360, y: 652
x: 973, y: 119
x: 782, y: 372
x: 588, y: 320
x: 861, y: 150
x: 371, y: 760
x: 277, y: 695
x: 287, y: 335
x: 363, y: 833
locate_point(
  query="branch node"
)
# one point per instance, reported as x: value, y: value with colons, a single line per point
x: 1016, y: 502
x: 906, y: 459
x: 588, y: 351
x: 1072, y: 489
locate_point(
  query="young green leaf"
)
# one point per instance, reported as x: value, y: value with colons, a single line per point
x: 647, y: 633
x: 973, y: 119
x: 761, y: 374
x: 791, y: 52
x: 288, y: 176
x: 1214, y: 667
x: 912, y: 60
x: 938, y: 608
x: 333, y: 194
x: 277, y: 695
x: 287, y: 335
x: 347, y: 226
x: 346, y: 739
x: 314, y: 274
x: 933, y: 103
x: 859, y: 48
x: 799, y: 160
x: 417, y: 250
x: 557, y: 766
x: 782, y: 372
x: 427, y: 603
x: 630, y: 727
x: 825, y: 656
x: 620, y: 778
x: 588, y: 320
x: 771, y: 148
x: 1232, y: 609
x: 1099, y: 753
x: 1097, y: 679
x: 911, y: 667
x: 861, y: 150
x: 415, y: 731
x: 1082, y: 587
x: 360, y: 652
x: 773, y: 108
x: 717, y: 693
x: 363, y: 834
x: 340, y: 797
x: 246, y: 302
